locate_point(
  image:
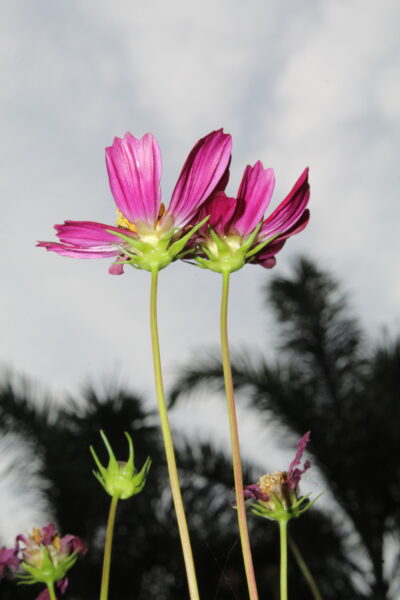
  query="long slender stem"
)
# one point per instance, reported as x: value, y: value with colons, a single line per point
x: 52, y: 593
x: 237, y: 467
x: 304, y: 569
x: 169, y: 448
x: 105, y: 578
x: 283, y: 541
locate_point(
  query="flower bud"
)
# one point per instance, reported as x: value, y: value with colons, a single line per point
x: 120, y: 479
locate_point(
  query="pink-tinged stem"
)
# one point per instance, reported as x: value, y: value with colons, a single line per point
x: 169, y: 447
x: 237, y: 467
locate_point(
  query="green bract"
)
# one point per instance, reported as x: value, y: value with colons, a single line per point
x: 48, y: 570
x: 278, y: 510
x: 152, y: 252
x: 227, y: 254
x: 120, y: 479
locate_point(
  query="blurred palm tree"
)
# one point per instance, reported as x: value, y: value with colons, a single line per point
x: 328, y: 379
x: 147, y: 560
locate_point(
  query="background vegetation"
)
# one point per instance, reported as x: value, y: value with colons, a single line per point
x: 329, y: 378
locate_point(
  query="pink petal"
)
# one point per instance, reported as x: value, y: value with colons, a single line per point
x: 48, y: 533
x: 202, y: 172
x: 88, y: 233
x: 71, y: 543
x: 295, y: 473
x: 254, y: 196
x: 220, y: 209
x: 84, y: 239
x: 277, y: 244
x: 289, y: 211
x: 116, y: 268
x: 77, y: 252
x: 134, y: 171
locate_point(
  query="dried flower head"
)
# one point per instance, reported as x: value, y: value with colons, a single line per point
x: 42, y: 557
x: 276, y: 496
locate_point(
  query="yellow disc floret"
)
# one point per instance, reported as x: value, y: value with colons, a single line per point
x: 124, y: 223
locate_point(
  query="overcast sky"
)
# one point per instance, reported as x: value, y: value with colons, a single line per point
x: 296, y: 83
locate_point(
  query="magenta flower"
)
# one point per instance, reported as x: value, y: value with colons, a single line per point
x: 276, y: 496
x: 235, y: 232
x: 43, y: 557
x: 147, y: 235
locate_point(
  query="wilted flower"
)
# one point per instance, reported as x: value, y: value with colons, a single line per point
x: 276, y: 496
x: 235, y: 232
x: 120, y: 479
x: 43, y: 557
x: 147, y: 235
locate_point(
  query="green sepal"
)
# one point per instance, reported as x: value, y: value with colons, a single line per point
x: 136, y: 243
x: 222, y: 246
x: 282, y: 512
x: 48, y: 572
x: 177, y: 247
x: 262, y: 245
x: 157, y: 255
x: 120, y: 479
x: 225, y: 258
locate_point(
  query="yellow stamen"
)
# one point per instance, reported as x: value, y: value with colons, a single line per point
x: 124, y: 223
x: 57, y: 543
x: 271, y: 483
x: 36, y: 535
x: 161, y: 212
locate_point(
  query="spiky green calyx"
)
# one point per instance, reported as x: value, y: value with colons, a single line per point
x: 276, y: 509
x: 229, y: 253
x: 120, y: 479
x: 153, y: 251
x: 47, y: 569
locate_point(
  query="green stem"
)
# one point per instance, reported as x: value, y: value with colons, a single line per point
x: 105, y: 578
x: 233, y: 426
x: 52, y: 593
x: 168, y: 444
x: 304, y: 569
x: 283, y: 540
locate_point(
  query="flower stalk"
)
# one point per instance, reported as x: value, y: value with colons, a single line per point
x: 168, y: 444
x: 233, y: 426
x: 283, y: 569
x: 52, y: 593
x: 105, y: 577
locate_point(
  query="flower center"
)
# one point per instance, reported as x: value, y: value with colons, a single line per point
x: 124, y: 223
x: 271, y: 484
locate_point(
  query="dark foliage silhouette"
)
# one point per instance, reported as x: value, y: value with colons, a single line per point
x: 329, y: 379
x: 147, y: 561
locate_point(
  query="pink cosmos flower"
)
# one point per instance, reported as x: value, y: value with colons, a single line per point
x: 143, y: 224
x: 282, y: 486
x: 235, y: 221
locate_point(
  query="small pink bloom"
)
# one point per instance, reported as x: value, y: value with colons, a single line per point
x: 134, y: 170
